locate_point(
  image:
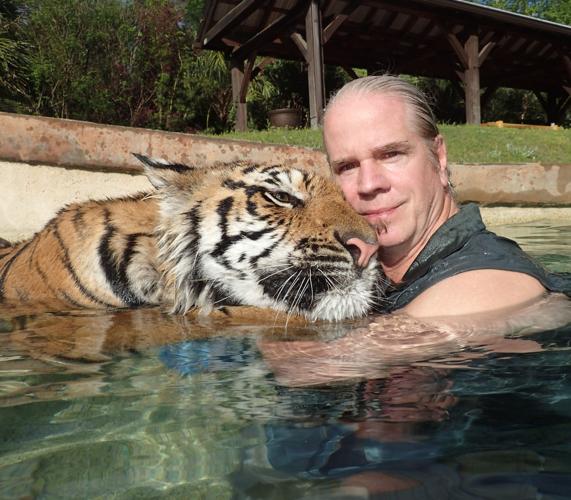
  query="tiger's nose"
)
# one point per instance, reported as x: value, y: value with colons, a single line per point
x: 361, y: 251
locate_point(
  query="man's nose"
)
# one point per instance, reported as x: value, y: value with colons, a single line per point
x: 372, y: 178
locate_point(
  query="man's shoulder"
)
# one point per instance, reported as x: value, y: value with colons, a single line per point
x: 474, y: 292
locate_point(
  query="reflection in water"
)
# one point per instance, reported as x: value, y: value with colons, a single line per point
x: 132, y: 404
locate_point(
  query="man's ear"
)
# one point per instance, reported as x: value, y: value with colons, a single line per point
x: 162, y: 173
x: 442, y: 158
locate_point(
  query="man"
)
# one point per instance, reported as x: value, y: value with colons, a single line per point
x: 386, y: 153
x: 390, y: 161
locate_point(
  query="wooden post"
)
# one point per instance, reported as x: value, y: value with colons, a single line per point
x: 472, y: 81
x: 313, y: 35
x: 238, y: 99
x: 471, y: 58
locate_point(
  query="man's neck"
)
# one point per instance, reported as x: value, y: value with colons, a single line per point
x: 396, y: 261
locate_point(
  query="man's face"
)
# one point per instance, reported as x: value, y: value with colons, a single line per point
x: 385, y: 169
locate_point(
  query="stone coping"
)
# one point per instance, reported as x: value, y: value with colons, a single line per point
x: 106, y: 148
x: 501, y: 215
x: 92, y: 146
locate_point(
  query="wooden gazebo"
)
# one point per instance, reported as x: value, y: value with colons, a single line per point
x: 479, y: 47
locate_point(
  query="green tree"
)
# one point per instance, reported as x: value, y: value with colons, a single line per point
x: 14, y: 60
x: 558, y: 11
x: 552, y: 10
x: 109, y: 61
x: 73, y: 66
x: 207, y: 83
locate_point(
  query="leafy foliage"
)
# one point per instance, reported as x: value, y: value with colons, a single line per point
x: 125, y: 62
x: 107, y: 62
x: 551, y: 10
x: 13, y: 58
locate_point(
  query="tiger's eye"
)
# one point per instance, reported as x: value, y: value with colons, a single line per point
x: 282, y: 196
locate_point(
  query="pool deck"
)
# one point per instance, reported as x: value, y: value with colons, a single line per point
x: 46, y: 163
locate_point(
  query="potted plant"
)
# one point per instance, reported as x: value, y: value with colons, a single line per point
x: 286, y: 112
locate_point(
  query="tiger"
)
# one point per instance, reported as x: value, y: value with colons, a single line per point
x: 204, y: 238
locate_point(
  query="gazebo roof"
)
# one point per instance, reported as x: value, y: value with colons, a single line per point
x: 417, y: 37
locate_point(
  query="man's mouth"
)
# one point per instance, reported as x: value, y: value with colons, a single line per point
x: 379, y: 214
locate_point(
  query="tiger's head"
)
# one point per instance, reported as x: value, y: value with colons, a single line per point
x: 267, y: 236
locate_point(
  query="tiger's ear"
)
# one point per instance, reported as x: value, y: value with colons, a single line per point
x: 162, y: 173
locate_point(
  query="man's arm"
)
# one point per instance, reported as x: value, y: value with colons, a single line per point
x: 475, y: 292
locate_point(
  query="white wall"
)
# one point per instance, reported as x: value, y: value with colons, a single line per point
x: 31, y: 194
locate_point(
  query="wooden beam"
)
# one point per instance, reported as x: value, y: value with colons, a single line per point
x: 237, y: 73
x: 249, y: 67
x: 300, y: 43
x: 545, y: 48
x: 230, y: 20
x: 210, y: 7
x: 518, y: 44
x: 313, y: 33
x: 485, y: 52
x: 459, y: 49
x: 270, y: 32
x: 333, y: 26
x: 488, y: 37
x: 230, y: 43
x: 530, y: 47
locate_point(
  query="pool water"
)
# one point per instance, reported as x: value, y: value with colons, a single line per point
x: 137, y: 404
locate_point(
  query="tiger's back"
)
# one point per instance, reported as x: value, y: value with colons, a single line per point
x: 81, y: 258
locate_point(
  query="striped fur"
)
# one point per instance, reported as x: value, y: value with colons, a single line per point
x: 232, y: 234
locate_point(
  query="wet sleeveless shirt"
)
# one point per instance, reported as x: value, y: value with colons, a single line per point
x: 463, y: 244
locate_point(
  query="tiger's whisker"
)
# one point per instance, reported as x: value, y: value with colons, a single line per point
x: 328, y: 279
x: 297, y: 299
x: 273, y: 274
x: 282, y: 287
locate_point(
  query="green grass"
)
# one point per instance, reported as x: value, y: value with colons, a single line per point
x: 292, y: 137
x: 466, y: 143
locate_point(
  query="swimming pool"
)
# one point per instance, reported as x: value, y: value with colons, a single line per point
x: 142, y: 405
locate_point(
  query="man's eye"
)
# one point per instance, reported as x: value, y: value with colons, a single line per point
x: 344, y: 167
x: 390, y: 154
